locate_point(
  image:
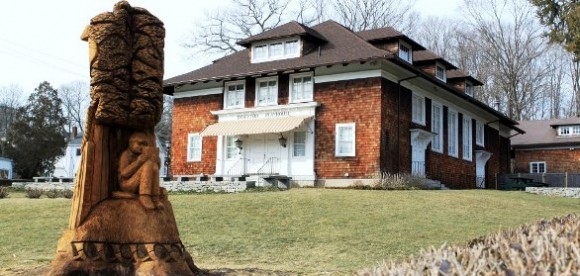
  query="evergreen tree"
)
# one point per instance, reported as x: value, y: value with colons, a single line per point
x: 562, y: 17
x: 37, y: 136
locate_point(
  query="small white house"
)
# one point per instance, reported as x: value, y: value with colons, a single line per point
x: 67, y: 165
x: 5, y: 168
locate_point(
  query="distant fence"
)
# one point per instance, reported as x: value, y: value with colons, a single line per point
x: 566, y: 180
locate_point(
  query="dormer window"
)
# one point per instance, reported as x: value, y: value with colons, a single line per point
x: 405, y: 52
x: 569, y: 130
x: 275, y: 50
x: 469, y: 89
x: 440, y: 72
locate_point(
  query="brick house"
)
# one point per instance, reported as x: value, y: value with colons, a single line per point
x: 548, y: 146
x: 325, y: 105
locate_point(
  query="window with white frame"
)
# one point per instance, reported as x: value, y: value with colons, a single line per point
x: 467, y: 138
x: 437, y: 127
x: 405, y: 52
x: 267, y: 91
x: 418, y: 109
x: 440, y: 72
x: 569, y: 130
x: 301, y: 87
x: 235, y: 95
x: 469, y: 88
x: 231, y: 149
x: 538, y: 167
x: 299, y: 146
x: 194, y: 147
x: 452, y: 135
x: 479, y: 133
x: 274, y: 50
x: 345, y: 139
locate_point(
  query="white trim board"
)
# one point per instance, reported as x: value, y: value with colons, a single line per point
x: 197, y: 93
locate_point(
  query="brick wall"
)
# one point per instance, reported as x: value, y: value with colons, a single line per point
x: 557, y: 160
x: 192, y: 115
x: 357, y: 101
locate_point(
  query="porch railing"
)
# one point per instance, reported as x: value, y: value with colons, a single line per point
x: 418, y: 168
x: 270, y: 167
x: 237, y: 168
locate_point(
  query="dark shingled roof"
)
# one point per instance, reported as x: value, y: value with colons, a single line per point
x: 426, y: 56
x: 343, y: 46
x: 460, y: 74
x: 287, y: 30
x: 388, y: 33
x: 543, y: 133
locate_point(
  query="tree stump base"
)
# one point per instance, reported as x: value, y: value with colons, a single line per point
x: 121, y: 237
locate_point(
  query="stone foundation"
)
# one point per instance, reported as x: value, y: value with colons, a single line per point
x: 562, y: 192
x: 172, y: 186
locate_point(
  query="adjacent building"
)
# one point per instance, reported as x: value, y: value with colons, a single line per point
x: 548, y: 146
x: 329, y: 106
x: 6, y: 168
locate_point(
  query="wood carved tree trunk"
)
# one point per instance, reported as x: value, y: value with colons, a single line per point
x: 115, y: 231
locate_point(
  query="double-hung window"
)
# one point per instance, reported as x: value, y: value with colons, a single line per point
x: 479, y: 133
x: 235, y: 94
x: 301, y: 87
x: 452, y: 136
x: 299, y: 146
x: 538, y: 167
x: 345, y: 140
x: 194, y: 147
x: 418, y: 109
x: 405, y: 52
x: 275, y: 50
x: 440, y: 72
x: 437, y: 127
x: 267, y: 91
x: 231, y: 149
x: 467, y: 138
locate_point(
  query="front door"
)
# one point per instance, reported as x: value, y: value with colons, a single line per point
x: 263, y: 154
x: 418, y: 161
x: 480, y: 174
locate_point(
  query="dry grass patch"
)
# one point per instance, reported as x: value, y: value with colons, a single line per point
x: 308, y: 231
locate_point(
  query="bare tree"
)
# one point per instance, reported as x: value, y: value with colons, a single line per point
x: 445, y: 41
x: 75, y: 99
x: 512, y: 39
x: 10, y: 101
x: 359, y: 15
x: 221, y: 29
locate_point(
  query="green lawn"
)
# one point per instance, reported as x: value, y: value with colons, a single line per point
x: 302, y: 230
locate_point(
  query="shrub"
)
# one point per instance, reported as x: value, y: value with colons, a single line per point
x: 4, y: 192
x: 546, y: 248
x: 33, y: 193
x: 52, y: 193
x: 67, y: 193
x: 397, y: 181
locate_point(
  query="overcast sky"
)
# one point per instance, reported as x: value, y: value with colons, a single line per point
x: 40, y: 40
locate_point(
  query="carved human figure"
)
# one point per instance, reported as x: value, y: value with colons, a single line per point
x: 139, y: 171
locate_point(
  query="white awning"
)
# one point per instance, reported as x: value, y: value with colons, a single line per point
x: 259, y: 126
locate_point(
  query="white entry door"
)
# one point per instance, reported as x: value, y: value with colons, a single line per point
x: 263, y: 153
x: 418, y: 160
x: 255, y: 148
x: 480, y: 174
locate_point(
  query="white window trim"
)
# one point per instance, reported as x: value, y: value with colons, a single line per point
x: 257, y: 89
x: 455, y: 134
x: 284, y: 54
x: 438, y: 132
x: 469, y: 84
x: 569, y: 129
x: 410, y: 60
x: 467, y: 140
x: 421, y: 120
x: 479, y: 135
x: 194, y: 158
x: 226, y: 94
x: 336, y: 142
x: 444, y: 71
x: 290, y: 86
x: 294, y: 144
x: 538, y: 163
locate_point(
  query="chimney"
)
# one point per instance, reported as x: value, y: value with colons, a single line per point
x: 74, y: 133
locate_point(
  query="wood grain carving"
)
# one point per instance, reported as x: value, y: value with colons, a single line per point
x: 121, y: 222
